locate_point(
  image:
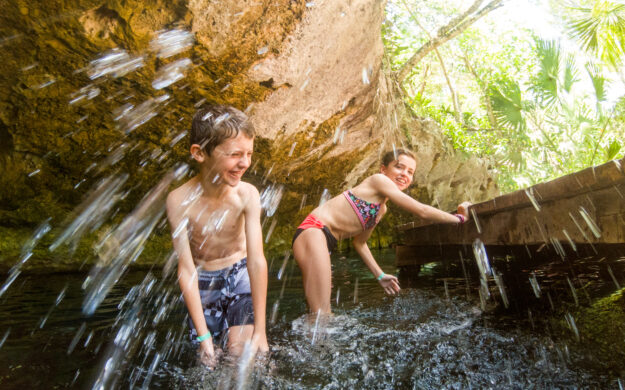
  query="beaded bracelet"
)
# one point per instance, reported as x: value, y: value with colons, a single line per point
x: 461, y: 218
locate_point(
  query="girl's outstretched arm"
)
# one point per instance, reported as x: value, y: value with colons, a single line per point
x: 388, y: 189
x: 388, y: 282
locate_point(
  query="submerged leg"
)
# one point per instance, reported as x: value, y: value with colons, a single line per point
x: 238, y: 335
x: 311, y: 253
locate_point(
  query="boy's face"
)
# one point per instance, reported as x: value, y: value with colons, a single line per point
x: 230, y: 159
x: 400, y: 171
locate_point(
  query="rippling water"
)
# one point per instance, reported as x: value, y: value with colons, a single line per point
x: 434, y: 335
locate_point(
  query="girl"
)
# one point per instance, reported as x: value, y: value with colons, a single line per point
x: 355, y: 213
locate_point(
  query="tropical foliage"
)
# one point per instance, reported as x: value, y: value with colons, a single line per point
x: 538, y: 107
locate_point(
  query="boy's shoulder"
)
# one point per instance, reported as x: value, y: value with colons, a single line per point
x: 180, y: 191
x: 247, y: 192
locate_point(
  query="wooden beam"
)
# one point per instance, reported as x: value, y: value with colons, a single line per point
x: 586, y: 208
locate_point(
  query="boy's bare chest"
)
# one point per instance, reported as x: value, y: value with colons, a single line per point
x: 206, y: 218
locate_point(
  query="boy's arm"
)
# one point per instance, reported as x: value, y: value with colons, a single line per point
x: 256, y: 266
x: 187, y: 275
x: 388, y: 282
x: 387, y: 188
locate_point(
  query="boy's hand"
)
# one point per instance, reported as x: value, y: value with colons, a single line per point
x: 207, y: 353
x: 390, y: 284
x: 463, y: 208
x: 260, y: 342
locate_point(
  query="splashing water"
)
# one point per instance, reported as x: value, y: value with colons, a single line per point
x: 616, y: 283
x: 481, y: 258
x: 530, y: 194
x: 171, y: 73
x: 292, y: 149
x: 365, y: 76
x: 93, y: 211
x: 171, y: 42
x: 27, y: 252
x: 302, y: 203
x: 133, y: 117
x: 273, y: 225
x: 270, y: 198
x: 535, y: 285
x: 478, y: 226
x: 502, y: 289
x: 87, y: 92
x: 590, y: 222
x: 284, y: 263
x: 123, y: 245
x: 116, y: 63
x: 325, y: 196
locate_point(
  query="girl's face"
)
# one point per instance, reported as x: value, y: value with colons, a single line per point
x: 400, y: 171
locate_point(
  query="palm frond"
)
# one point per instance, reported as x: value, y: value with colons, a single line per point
x: 546, y: 82
x: 507, y: 101
x: 600, y: 29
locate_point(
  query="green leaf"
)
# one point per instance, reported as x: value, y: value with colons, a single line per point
x: 613, y: 150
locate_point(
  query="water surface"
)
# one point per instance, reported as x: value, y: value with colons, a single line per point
x: 435, y: 334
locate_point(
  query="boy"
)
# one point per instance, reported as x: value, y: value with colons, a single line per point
x: 215, y: 220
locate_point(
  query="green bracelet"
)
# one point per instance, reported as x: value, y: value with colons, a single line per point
x: 381, y: 276
x: 205, y: 337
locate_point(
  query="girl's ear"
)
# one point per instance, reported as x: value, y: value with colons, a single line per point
x: 197, y: 153
x: 382, y: 169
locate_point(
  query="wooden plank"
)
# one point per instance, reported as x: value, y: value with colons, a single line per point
x: 584, y: 209
x: 589, y: 180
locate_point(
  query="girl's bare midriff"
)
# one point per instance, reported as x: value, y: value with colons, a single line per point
x: 339, y: 216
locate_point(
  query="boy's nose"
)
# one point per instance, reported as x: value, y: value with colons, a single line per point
x: 245, y: 161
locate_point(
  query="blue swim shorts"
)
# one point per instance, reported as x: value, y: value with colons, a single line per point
x: 226, y: 299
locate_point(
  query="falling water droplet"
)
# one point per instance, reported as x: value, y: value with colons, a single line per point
x: 325, y: 196
x: 284, y: 263
x: 274, y: 311
x: 5, y: 337
x: 365, y: 76
x: 171, y: 42
x: 573, y: 292
x: 530, y: 194
x: 170, y: 73
x: 271, y: 227
x: 476, y: 220
x: 479, y: 250
x: 292, y: 149
x: 618, y: 286
x: 314, y: 335
x: 76, y: 338
x: 571, y: 322
x: 303, y: 201
x: 535, y: 285
x: 589, y: 221
x: 270, y: 198
x: 502, y: 289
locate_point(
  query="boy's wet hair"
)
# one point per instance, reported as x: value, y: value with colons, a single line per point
x: 391, y: 156
x: 213, y: 124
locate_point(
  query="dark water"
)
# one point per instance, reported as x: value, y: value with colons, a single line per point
x: 434, y: 335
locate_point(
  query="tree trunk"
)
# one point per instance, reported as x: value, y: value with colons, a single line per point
x: 446, y: 33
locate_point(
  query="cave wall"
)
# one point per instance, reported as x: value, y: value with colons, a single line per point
x: 311, y: 76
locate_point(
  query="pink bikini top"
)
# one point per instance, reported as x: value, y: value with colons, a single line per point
x: 366, y: 211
